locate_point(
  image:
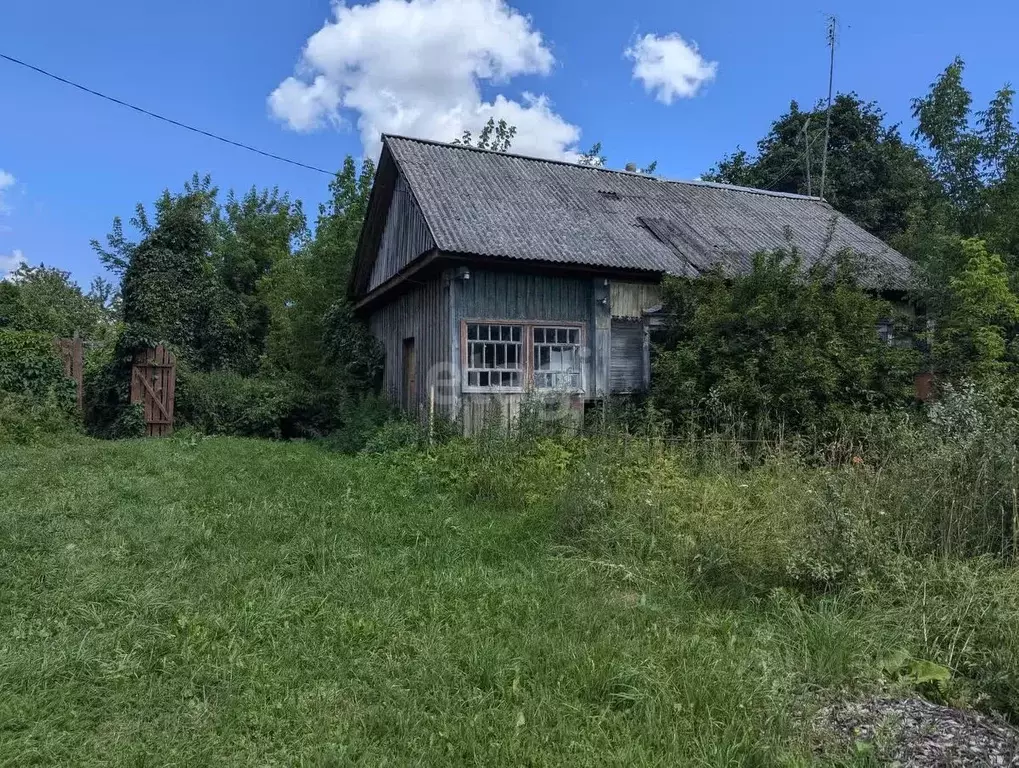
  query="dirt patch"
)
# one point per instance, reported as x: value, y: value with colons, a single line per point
x: 915, y: 732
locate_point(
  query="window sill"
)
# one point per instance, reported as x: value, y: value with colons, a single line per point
x: 521, y: 391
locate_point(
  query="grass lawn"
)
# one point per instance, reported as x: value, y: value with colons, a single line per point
x: 226, y: 601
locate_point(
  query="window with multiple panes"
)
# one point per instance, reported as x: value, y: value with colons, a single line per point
x: 556, y: 360
x: 886, y: 330
x: 508, y: 355
x: 494, y: 355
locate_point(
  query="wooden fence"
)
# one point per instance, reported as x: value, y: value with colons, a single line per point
x: 153, y: 378
x: 72, y: 352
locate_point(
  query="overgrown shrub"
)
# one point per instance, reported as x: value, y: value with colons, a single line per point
x: 108, y: 412
x: 226, y: 403
x: 358, y: 423
x: 25, y: 419
x: 954, y: 488
x: 781, y: 345
x: 36, y: 398
x: 978, y: 315
x: 393, y: 435
x: 31, y: 366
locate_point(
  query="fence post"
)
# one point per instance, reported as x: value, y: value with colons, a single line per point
x: 72, y: 356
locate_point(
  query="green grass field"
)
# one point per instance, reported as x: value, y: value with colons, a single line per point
x: 234, y: 602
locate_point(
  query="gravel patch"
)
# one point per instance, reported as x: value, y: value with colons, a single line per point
x: 914, y: 732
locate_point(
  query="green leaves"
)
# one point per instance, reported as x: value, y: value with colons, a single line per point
x: 975, y: 156
x: 874, y: 177
x: 930, y: 678
x: 497, y: 137
x: 971, y: 339
x: 313, y: 335
x: 777, y: 344
x: 30, y: 367
x: 45, y: 300
x: 239, y: 287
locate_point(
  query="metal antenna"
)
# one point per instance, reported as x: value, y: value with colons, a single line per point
x: 832, y: 25
x: 806, y: 142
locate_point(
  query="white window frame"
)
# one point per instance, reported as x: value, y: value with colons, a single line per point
x: 559, y: 330
x: 498, y: 345
x: 525, y: 358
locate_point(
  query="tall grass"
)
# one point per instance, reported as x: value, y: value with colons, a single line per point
x: 573, y: 600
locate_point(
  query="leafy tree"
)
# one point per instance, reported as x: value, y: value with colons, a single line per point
x: 874, y: 177
x: 593, y: 156
x: 497, y: 137
x: 254, y: 234
x: 310, y: 292
x: 169, y: 289
x: 777, y: 344
x: 199, y: 277
x: 243, y: 295
x: 975, y: 156
x: 46, y: 300
x: 971, y: 338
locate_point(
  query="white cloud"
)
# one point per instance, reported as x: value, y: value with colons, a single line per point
x: 9, y: 263
x: 415, y: 67
x: 670, y: 67
x: 305, y: 106
x: 6, y: 182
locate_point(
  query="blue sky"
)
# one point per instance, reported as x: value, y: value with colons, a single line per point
x: 559, y: 69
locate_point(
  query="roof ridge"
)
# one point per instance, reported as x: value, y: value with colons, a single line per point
x: 693, y: 183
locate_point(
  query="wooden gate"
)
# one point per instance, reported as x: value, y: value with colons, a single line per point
x: 72, y: 353
x: 153, y: 377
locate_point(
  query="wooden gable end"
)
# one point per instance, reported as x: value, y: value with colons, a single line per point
x: 405, y: 236
x: 395, y: 232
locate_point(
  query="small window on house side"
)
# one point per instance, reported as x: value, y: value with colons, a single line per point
x: 556, y: 357
x: 886, y: 330
x: 494, y: 356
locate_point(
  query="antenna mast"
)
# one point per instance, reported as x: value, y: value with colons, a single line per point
x: 832, y: 25
x: 806, y: 142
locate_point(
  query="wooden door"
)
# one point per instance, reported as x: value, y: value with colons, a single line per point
x: 153, y: 380
x: 409, y: 375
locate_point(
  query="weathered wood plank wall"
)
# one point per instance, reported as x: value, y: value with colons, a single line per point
x: 496, y: 295
x: 421, y: 314
x: 405, y: 237
x: 631, y: 300
x: 629, y: 366
x: 431, y: 313
x: 522, y: 296
x: 601, y: 348
x: 627, y: 376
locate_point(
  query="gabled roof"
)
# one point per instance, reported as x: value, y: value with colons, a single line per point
x: 515, y: 207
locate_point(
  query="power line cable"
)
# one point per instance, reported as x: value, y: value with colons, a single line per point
x: 165, y: 119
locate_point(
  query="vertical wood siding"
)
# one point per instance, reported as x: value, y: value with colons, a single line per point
x: 602, y: 340
x: 422, y: 314
x: 431, y: 314
x: 633, y: 299
x: 406, y: 236
x: 521, y: 297
x: 627, y: 357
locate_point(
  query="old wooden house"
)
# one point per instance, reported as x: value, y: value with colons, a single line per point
x: 487, y: 276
